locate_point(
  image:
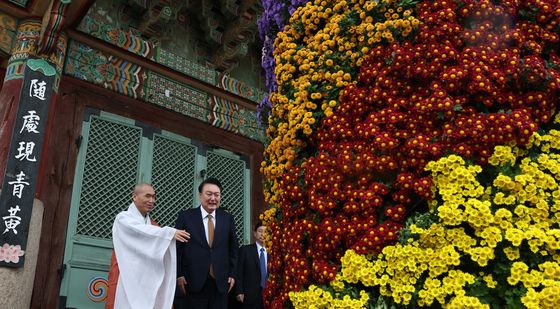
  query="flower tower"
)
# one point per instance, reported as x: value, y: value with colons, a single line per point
x: 365, y: 96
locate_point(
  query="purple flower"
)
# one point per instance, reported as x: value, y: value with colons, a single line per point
x: 263, y: 110
x: 275, y: 15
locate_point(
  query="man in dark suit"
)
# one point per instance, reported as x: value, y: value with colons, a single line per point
x: 206, y: 264
x: 252, y: 271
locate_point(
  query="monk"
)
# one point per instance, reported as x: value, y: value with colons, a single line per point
x: 143, y: 264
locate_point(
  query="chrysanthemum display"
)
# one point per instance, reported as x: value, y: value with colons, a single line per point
x: 367, y: 93
x: 492, y: 240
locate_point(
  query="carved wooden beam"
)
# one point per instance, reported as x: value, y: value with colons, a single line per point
x: 76, y: 12
x: 53, y: 23
x: 249, y: 7
x: 38, y: 8
x: 14, y: 10
x: 235, y: 42
x: 229, y: 8
x: 241, y: 31
x: 210, y: 23
x: 8, y: 31
x: 227, y: 57
x: 159, y: 14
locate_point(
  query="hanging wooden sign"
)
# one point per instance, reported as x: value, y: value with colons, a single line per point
x: 20, y: 178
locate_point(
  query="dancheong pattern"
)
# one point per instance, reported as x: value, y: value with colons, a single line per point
x: 176, y: 96
x: 86, y: 63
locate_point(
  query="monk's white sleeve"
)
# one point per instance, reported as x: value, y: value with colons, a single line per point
x: 147, y: 260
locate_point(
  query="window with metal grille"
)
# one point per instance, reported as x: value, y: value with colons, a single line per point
x: 231, y: 171
x: 173, y: 167
x: 109, y: 174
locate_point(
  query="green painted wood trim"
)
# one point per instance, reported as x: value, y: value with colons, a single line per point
x: 247, y: 227
x: 41, y: 65
x: 93, y: 241
x: 89, y: 266
x: 176, y: 137
x: 201, y: 164
x: 75, y: 200
x: 145, y: 159
x: 116, y: 118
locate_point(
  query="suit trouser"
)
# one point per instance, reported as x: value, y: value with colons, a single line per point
x: 257, y: 301
x: 207, y: 298
x: 258, y: 304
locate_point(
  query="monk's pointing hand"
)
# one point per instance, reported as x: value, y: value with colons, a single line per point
x: 182, y: 235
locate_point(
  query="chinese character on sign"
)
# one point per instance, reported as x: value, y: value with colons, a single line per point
x: 25, y: 151
x: 12, y: 220
x: 19, y: 184
x: 30, y: 123
x: 37, y: 89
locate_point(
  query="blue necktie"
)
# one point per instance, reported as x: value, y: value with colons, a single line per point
x: 262, y: 263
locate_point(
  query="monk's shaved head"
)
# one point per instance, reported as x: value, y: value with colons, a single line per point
x: 141, y: 187
x: 144, y: 197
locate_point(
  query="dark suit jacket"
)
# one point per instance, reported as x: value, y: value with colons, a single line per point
x: 249, y: 275
x: 194, y: 257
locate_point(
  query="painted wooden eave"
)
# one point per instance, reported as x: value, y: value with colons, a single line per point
x: 160, y: 69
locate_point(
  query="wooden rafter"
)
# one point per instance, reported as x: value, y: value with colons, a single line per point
x: 77, y: 9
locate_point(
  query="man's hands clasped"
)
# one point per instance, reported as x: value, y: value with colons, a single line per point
x: 182, y: 284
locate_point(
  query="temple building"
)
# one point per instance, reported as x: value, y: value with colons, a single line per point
x: 98, y: 95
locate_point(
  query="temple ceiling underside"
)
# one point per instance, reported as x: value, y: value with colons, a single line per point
x: 221, y: 35
x: 218, y: 33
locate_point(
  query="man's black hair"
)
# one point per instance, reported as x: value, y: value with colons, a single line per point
x: 212, y: 181
x: 258, y: 224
